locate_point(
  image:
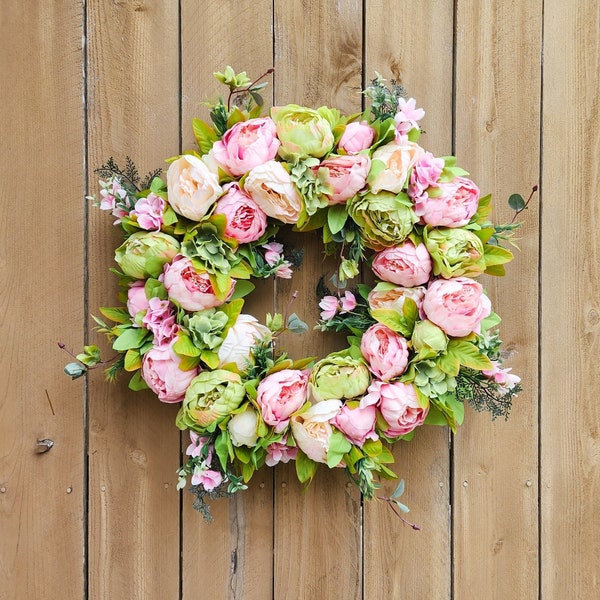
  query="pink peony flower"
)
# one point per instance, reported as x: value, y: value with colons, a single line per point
x: 160, y: 320
x: 281, y: 394
x: 385, y: 351
x: 280, y: 452
x: 246, y: 222
x: 189, y: 288
x: 406, y: 265
x: 271, y: 187
x: 456, y: 305
x: 356, y: 423
x: 312, y: 429
x: 454, y: 207
x: 207, y: 478
x: 246, y: 145
x: 356, y: 137
x: 192, y: 187
x: 160, y: 370
x: 136, y: 298
x: 399, y: 407
x: 398, y: 160
x: 425, y: 174
x: 346, y: 175
x: 149, y: 212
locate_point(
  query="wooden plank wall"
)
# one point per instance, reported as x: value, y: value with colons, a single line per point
x: 508, y: 509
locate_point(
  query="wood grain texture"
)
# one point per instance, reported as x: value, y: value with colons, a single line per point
x: 133, y: 109
x: 393, y: 553
x: 41, y: 265
x: 237, y: 548
x: 498, y: 47
x: 318, y: 550
x: 570, y: 412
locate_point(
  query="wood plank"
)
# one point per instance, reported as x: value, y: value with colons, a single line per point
x: 133, y: 109
x: 393, y: 553
x: 41, y: 250
x: 497, y: 139
x: 237, y: 548
x: 570, y: 354
x: 318, y: 53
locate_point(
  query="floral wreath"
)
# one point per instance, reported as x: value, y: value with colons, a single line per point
x: 422, y: 341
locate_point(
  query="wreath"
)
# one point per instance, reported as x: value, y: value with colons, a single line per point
x: 422, y: 340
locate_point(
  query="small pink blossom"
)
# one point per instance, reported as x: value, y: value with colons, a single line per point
x: 348, y: 302
x: 114, y: 198
x: 280, y: 452
x: 197, y: 444
x: 207, y: 478
x: 407, y: 116
x: 274, y: 258
x: 503, y: 377
x: 329, y: 306
x: 149, y: 212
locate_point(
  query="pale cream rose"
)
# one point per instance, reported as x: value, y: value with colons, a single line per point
x: 271, y: 187
x: 398, y: 160
x: 312, y: 430
x: 192, y: 187
x: 240, y: 340
x: 243, y: 427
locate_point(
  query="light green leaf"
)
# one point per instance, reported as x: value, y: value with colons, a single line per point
x: 133, y: 337
x: 336, y: 217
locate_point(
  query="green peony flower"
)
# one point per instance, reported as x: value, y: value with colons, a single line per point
x: 385, y: 218
x: 143, y: 254
x: 455, y: 252
x: 209, y: 399
x: 338, y: 376
x: 302, y: 131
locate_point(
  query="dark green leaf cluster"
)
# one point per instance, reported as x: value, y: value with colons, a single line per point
x: 384, y: 98
x: 483, y: 395
x: 200, y: 503
x: 129, y: 175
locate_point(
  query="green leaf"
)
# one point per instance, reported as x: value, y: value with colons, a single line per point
x: 492, y: 320
x: 242, y: 288
x: 133, y: 337
x: 516, y: 202
x: 210, y: 359
x: 338, y: 446
x: 205, y: 135
x: 336, y: 217
x: 136, y: 383
x: 133, y: 360
x: 496, y: 255
x: 392, y: 319
x: 469, y: 355
x: 117, y: 315
x: 305, y: 467
x: 296, y: 325
x: 222, y: 449
x: 185, y: 347
x: 74, y: 370
x: 232, y: 310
